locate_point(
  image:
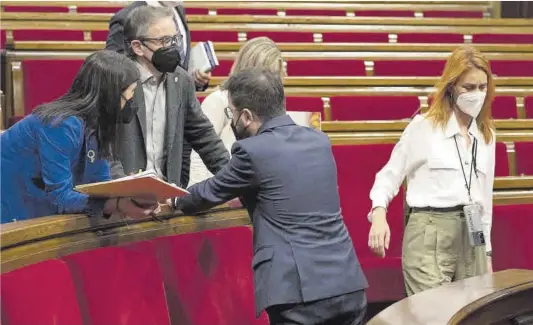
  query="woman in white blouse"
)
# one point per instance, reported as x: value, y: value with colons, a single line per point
x: 260, y: 52
x: 447, y: 156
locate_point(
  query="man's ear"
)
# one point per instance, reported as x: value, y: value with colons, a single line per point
x: 136, y: 47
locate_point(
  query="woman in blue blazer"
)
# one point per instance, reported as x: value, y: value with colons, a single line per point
x: 68, y: 142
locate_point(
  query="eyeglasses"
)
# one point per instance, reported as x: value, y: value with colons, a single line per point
x: 165, y: 40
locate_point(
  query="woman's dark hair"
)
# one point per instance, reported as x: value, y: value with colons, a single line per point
x: 94, y: 97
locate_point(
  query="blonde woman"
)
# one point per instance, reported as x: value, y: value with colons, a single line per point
x: 260, y: 52
x: 448, y: 159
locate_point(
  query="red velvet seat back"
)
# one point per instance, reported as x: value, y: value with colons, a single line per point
x: 515, y: 68
x: 452, y: 14
x: 503, y: 38
x: 208, y: 277
x: 357, y: 166
x: 524, y: 158
x: 348, y: 37
x: 512, y: 243
x: 307, y: 68
x: 502, y: 160
x: 283, y: 37
x: 120, y: 285
x: 360, y: 108
x: 305, y: 104
x: 247, y: 11
x: 430, y: 38
x: 223, y: 68
x: 40, y: 294
x: 46, y: 80
x: 504, y: 107
x: 403, y: 68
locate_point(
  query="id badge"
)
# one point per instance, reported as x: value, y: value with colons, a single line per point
x: 473, y: 222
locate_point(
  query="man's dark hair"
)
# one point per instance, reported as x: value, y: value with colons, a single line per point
x: 94, y: 97
x: 259, y: 90
x: 139, y: 21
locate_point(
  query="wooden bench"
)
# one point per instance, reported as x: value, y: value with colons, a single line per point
x: 400, y: 8
x: 224, y: 47
x: 395, y: 30
x: 489, y: 299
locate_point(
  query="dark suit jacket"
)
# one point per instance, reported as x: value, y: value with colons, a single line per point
x: 287, y: 177
x: 184, y: 121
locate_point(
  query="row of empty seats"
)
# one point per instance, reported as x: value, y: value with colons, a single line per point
x: 72, y: 31
x: 385, y: 9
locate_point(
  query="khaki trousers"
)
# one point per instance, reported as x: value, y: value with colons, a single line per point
x: 436, y: 250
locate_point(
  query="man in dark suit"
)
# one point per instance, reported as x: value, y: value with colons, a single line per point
x: 305, y: 267
x: 115, y: 42
x: 168, y: 111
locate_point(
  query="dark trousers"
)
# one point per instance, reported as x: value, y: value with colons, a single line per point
x: 348, y: 309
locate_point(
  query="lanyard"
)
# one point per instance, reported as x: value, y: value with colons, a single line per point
x: 468, y: 183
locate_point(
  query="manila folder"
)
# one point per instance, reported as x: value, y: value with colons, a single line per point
x: 144, y: 186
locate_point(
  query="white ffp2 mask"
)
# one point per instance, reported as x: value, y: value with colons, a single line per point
x: 471, y: 103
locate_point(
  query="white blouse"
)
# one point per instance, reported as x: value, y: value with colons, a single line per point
x: 428, y: 157
x: 213, y: 107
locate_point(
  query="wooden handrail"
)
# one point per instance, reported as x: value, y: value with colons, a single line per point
x: 257, y: 25
x: 280, y: 5
x: 258, y: 19
x: 290, y: 47
x: 457, y: 302
x: 395, y: 125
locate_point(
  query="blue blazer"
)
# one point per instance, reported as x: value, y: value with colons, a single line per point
x: 41, y: 164
x: 287, y: 177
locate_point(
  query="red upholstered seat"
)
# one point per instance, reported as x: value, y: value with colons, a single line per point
x: 208, y: 277
x: 314, y: 12
x: 511, y: 250
x: 196, y: 11
x: 99, y: 35
x: 503, y: 38
x: 524, y: 158
x: 246, y: 11
x: 283, y: 37
x: 385, y: 13
x: 2, y: 38
x: 325, y: 68
x: 339, y: 37
x: 305, y: 104
x: 35, y: 8
x: 39, y: 294
x: 201, y: 98
x: 504, y: 107
x: 452, y: 14
x: 223, y: 69
x: 502, y: 160
x: 99, y: 10
x: 430, y: 38
x: 47, y: 35
x: 357, y: 166
x: 358, y: 108
x: 402, y: 68
x: 517, y: 68
x: 46, y: 80
x: 528, y: 103
x: 120, y: 285
x: 214, y: 36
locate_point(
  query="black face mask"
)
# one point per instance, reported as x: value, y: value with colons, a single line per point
x: 129, y: 111
x: 166, y: 59
x: 239, y: 135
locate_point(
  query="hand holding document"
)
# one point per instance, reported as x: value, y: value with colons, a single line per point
x: 203, y: 58
x: 145, y: 185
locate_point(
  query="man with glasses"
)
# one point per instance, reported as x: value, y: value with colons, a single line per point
x: 168, y: 111
x: 115, y: 38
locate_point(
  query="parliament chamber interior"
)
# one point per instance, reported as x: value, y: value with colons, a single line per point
x: 368, y: 68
